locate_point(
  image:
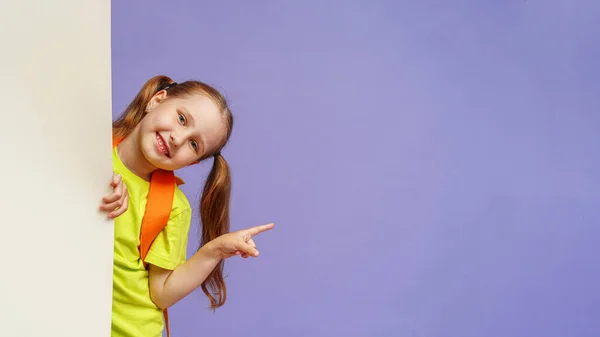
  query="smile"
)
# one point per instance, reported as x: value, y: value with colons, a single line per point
x: 162, y: 146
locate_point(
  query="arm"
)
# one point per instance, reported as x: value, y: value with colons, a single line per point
x: 169, y: 287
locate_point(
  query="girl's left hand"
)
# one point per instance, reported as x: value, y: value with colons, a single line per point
x: 116, y: 202
x: 238, y: 243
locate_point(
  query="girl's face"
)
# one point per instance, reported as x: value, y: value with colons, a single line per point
x: 176, y: 132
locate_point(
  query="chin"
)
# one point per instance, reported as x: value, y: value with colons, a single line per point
x: 159, y: 162
x: 154, y: 158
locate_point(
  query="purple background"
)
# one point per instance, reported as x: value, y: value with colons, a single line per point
x: 432, y: 166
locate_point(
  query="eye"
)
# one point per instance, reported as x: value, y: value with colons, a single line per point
x: 194, y: 145
x: 181, y: 119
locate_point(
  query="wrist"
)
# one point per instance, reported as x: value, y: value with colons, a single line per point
x: 212, y: 250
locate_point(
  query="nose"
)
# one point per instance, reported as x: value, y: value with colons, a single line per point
x: 175, y: 140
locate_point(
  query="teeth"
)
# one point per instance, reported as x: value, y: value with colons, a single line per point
x: 162, y: 145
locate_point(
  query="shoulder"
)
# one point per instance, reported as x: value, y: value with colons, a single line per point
x: 181, y: 204
x: 169, y: 248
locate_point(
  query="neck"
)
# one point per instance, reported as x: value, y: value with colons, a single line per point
x: 130, y: 153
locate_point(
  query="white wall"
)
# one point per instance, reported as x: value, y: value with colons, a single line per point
x: 55, y: 115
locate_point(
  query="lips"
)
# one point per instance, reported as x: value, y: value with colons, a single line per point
x: 162, y: 145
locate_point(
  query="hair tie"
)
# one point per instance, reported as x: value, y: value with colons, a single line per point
x: 166, y: 86
x: 217, y: 154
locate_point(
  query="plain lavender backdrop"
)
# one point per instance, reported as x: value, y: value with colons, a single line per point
x: 432, y: 166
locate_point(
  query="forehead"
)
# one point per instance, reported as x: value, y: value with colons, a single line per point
x: 200, y: 106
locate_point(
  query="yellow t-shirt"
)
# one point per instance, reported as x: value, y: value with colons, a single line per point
x: 133, y: 312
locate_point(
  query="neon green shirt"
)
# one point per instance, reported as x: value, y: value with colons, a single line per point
x: 133, y: 312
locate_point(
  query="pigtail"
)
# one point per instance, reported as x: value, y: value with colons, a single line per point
x: 135, y: 111
x: 214, y: 214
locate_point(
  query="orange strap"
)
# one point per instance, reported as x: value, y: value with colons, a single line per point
x: 156, y: 215
x: 158, y: 208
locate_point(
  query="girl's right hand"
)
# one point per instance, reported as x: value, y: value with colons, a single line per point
x: 238, y: 243
x: 116, y: 203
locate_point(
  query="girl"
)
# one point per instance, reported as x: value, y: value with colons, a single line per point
x: 166, y: 127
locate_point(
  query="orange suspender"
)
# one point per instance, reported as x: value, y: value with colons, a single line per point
x: 156, y: 215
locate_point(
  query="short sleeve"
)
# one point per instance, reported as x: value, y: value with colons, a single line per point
x: 169, y: 249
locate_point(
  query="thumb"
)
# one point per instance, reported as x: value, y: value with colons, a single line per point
x: 246, y: 248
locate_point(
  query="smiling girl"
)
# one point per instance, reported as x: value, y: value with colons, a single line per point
x: 166, y: 127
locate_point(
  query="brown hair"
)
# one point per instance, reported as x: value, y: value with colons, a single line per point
x: 214, y: 203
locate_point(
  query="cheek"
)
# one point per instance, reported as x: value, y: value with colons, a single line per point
x: 188, y: 157
x: 185, y: 155
x: 148, y: 123
x: 158, y: 120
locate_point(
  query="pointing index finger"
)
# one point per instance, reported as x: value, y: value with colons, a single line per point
x: 259, y: 229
